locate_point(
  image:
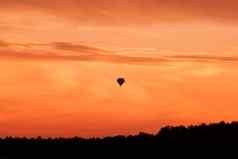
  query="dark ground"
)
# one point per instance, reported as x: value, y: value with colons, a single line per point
x: 213, y: 138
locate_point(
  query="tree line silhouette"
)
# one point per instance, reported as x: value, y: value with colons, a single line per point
x: 169, y: 137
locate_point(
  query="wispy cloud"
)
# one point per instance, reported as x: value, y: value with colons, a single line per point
x: 92, y: 58
x: 7, y: 44
x: 77, y: 47
x: 66, y: 46
x: 204, y: 57
x: 82, y: 52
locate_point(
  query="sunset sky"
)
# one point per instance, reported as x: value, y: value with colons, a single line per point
x: 59, y: 61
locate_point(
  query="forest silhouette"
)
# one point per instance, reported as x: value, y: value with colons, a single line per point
x: 168, y: 138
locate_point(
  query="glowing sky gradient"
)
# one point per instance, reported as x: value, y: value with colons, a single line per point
x: 59, y: 60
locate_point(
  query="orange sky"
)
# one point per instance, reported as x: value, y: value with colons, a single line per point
x: 59, y: 61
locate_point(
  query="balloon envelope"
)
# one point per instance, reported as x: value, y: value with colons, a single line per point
x: 120, y: 81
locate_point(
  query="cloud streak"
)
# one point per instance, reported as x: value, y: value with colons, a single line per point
x: 113, y: 58
x: 77, y: 47
x: 66, y: 46
x: 204, y: 57
x: 82, y: 52
x: 90, y: 58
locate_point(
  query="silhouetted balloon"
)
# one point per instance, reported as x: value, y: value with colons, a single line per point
x: 120, y: 81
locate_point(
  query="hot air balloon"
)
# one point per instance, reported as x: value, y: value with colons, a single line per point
x: 120, y: 81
